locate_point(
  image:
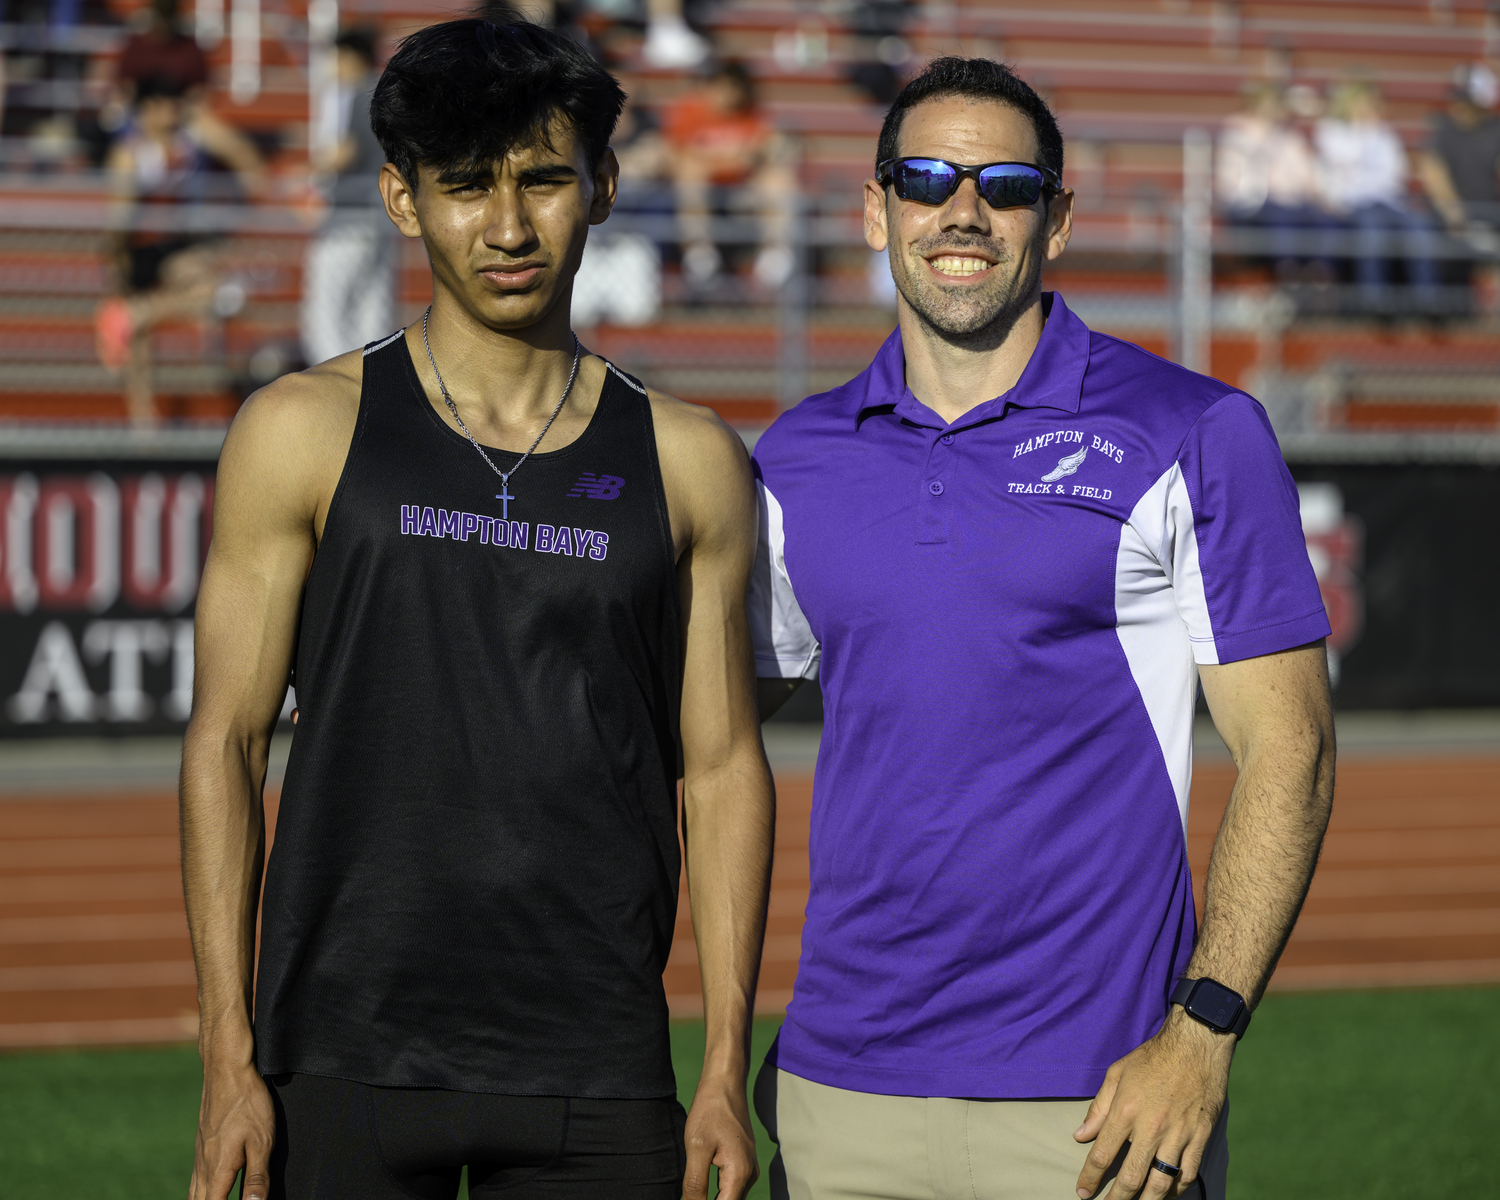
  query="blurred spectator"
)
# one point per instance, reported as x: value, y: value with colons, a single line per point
x: 348, y: 286
x: 558, y: 15
x: 162, y: 50
x: 619, y: 279
x: 45, y: 126
x: 1460, y: 165
x: 1265, y: 177
x: 882, y: 51
x: 1363, y: 175
x: 725, y: 152
x: 669, y: 41
x: 640, y: 149
x: 159, y: 166
x: 164, y: 53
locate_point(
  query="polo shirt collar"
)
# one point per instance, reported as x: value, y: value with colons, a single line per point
x: 1053, y: 378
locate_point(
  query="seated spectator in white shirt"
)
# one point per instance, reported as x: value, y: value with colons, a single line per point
x: 1266, y: 178
x: 1363, y: 173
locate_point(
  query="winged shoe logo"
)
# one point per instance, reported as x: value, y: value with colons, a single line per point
x: 1066, y: 466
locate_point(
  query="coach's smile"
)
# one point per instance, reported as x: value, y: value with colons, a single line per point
x: 959, y: 266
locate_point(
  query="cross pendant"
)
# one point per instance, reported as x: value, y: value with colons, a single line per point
x: 505, y: 498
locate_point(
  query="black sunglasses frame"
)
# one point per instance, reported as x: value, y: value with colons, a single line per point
x: 885, y: 174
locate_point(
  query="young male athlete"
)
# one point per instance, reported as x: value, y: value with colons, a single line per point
x: 511, y: 582
x: 1014, y: 548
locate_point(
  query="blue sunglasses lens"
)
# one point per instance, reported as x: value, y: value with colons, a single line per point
x: 1010, y: 185
x: 932, y: 181
x: 925, y: 180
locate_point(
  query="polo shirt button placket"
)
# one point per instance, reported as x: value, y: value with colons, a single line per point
x: 932, y: 518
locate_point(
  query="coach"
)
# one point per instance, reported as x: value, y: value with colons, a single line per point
x: 1012, y: 548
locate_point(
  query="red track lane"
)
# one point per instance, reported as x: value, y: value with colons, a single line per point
x: 94, y: 949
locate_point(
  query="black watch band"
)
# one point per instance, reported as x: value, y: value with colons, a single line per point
x: 1206, y: 1000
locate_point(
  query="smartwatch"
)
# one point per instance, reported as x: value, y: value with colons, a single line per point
x: 1222, y: 1009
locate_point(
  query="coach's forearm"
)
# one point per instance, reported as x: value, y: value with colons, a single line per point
x: 1264, y: 856
x: 223, y: 854
x: 729, y: 819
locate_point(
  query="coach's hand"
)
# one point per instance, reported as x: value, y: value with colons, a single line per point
x: 1163, y: 1098
x: 718, y: 1134
x: 236, y: 1127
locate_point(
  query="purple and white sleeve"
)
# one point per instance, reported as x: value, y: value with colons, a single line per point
x: 785, y: 647
x: 1241, y: 574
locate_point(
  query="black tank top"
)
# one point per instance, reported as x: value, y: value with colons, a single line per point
x: 474, y: 877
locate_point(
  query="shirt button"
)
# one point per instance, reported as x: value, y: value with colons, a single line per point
x: 936, y: 487
x: 947, y: 439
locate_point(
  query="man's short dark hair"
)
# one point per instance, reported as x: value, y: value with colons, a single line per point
x: 459, y: 95
x: 978, y: 79
x: 360, y: 40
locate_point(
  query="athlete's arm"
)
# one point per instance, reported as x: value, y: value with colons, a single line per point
x: 269, y: 499
x: 1275, y: 715
x: 728, y: 800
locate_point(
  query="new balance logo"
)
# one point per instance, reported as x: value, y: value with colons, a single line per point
x: 597, y: 487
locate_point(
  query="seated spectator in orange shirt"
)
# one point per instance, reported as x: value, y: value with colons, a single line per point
x: 720, y: 142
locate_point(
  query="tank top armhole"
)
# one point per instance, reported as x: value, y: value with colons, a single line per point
x: 361, y: 422
x: 648, y: 421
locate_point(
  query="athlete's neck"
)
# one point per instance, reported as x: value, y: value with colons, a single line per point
x: 505, y: 382
x: 952, y: 375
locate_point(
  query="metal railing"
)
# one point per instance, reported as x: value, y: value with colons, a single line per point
x: 746, y: 344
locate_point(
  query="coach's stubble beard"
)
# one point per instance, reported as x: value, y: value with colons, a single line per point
x: 975, y: 318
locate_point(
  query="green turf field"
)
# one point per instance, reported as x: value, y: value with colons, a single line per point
x: 1364, y: 1095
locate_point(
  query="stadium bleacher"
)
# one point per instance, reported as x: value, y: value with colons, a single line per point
x: 1127, y: 78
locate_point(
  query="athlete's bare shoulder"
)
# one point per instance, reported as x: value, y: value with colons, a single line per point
x: 697, y: 434
x: 293, y: 435
x: 705, y: 469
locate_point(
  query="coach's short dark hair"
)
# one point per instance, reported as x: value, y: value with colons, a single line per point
x: 461, y: 94
x: 980, y: 79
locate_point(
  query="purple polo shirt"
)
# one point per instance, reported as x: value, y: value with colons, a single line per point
x: 1007, y: 614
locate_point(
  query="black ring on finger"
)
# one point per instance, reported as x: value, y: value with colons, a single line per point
x: 1166, y: 1169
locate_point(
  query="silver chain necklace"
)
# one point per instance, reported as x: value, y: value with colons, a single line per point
x: 505, y: 496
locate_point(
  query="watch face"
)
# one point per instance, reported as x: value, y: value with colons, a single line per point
x: 1216, y: 1004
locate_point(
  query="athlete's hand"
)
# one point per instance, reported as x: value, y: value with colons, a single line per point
x: 1163, y: 1099
x: 236, y: 1127
x: 718, y: 1134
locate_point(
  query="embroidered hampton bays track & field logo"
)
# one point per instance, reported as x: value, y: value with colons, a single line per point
x: 1056, y: 481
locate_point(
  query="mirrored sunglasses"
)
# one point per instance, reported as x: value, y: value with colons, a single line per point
x: 933, y: 180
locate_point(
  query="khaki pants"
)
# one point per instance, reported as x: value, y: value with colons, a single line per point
x: 842, y: 1145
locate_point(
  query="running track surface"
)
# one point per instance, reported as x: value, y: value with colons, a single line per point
x: 94, y: 949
